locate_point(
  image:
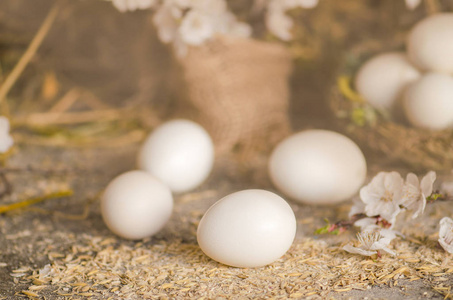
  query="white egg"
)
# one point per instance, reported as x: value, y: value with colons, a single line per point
x: 247, y: 229
x: 430, y: 43
x: 318, y: 167
x: 382, y: 79
x: 180, y: 153
x: 428, y: 102
x: 136, y: 205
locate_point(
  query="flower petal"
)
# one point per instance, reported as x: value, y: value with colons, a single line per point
x: 365, y: 223
x: 446, y: 234
x: 411, y: 194
x: 195, y: 28
x: 279, y: 24
x: 388, y: 234
x: 6, y: 141
x: 412, y: 179
x: 166, y: 22
x: 371, y: 193
x: 446, y: 225
x: 393, y: 181
x: 355, y: 250
x: 426, y: 184
x: 419, y: 207
x: 447, y: 247
x: 358, y: 207
x: 388, y: 251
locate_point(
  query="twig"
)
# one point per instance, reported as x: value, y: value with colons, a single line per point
x: 66, y: 101
x: 344, y: 85
x: 94, y: 102
x: 437, y: 196
x: 28, y: 202
x: 53, y: 118
x: 29, y: 169
x: 76, y: 217
x: 29, y: 53
x: 128, y: 138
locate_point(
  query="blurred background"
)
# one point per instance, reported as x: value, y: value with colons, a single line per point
x: 117, y: 57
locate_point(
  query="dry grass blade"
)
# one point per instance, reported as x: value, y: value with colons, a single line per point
x: 61, y: 118
x: 29, y: 53
x: 73, y: 217
x: 128, y: 138
x: 66, y: 101
x: 28, y: 202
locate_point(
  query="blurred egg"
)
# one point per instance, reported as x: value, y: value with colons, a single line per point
x: 135, y: 205
x: 180, y: 153
x: 247, y: 229
x: 318, y: 167
x: 428, y: 102
x: 430, y: 43
x: 382, y: 79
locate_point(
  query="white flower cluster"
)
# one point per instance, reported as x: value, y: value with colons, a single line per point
x: 189, y: 22
x: 131, y: 5
x: 6, y: 141
x: 372, y: 239
x: 382, y: 200
x: 192, y: 22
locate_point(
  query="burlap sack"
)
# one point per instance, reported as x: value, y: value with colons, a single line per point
x: 239, y: 91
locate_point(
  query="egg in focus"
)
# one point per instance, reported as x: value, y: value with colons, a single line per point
x: 318, y: 167
x: 247, y: 229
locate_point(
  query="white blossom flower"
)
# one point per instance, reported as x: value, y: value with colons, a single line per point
x: 131, y: 5
x: 221, y: 19
x: 167, y: 19
x: 226, y: 23
x: 6, y: 141
x: 382, y: 195
x: 372, y: 241
x: 277, y: 22
x: 446, y: 234
x: 191, y: 22
x: 412, y: 4
x: 195, y: 28
x: 290, y: 4
x: 358, y: 207
x: 415, y: 192
x: 365, y: 222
